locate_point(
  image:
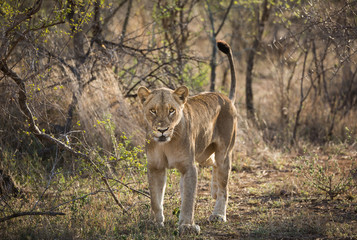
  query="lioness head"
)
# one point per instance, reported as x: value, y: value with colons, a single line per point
x: 162, y: 110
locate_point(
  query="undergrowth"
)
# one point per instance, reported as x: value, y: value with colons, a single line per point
x: 272, y: 195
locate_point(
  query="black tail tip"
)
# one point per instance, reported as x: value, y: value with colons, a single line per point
x: 223, y: 46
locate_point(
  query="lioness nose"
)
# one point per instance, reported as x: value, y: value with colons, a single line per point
x: 162, y: 130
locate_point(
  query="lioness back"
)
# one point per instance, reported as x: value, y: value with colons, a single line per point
x: 213, y: 120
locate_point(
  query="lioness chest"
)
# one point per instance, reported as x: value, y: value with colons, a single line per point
x: 174, y: 154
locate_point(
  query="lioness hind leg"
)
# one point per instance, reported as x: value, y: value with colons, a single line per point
x: 214, y: 183
x: 220, y: 176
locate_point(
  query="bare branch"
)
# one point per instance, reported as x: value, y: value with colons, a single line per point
x: 78, y: 198
x: 224, y: 17
x: 23, y: 16
x: 126, y: 21
x: 113, y: 195
x: 132, y: 189
x: 302, y: 98
x: 31, y: 214
x: 110, y: 16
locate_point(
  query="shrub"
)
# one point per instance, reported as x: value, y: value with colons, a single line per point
x: 327, y: 176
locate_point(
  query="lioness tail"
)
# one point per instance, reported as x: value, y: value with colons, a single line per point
x: 226, y: 49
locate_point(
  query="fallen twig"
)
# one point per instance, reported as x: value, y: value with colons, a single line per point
x: 113, y: 195
x: 75, y: 199
x: 132, y: 189
x: 15, y: 215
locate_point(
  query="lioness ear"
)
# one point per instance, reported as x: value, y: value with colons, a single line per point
x: 143, y: 94
x: 182, y: 93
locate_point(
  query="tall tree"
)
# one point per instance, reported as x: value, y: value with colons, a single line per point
x: 213, y: 38
x: 261, y: 20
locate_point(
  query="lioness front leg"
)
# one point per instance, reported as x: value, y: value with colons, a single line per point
x: 188, y: 187
x: 157, y: 184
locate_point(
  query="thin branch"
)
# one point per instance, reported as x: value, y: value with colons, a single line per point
x: 43, y: 26
x: 113, y: 195
x: 132, y: 189
x: 49, y: 180
x: 61, y: 60
x: 126, y: 21
x: 148, y: 75
x: 302, y: 97
x: 30, y: 214
x: 111, y: 15
x: 224, y: 17
x: 23, y: 16
x: 78, y: 198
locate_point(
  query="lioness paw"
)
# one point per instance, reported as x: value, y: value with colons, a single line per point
x: 156, y: 224
x: 188, y: 229
x: 217, y: 218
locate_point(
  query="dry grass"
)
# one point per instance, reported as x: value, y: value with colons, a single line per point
x: 268, y: 199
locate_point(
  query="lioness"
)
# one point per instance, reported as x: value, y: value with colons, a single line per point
x: 182, y: 129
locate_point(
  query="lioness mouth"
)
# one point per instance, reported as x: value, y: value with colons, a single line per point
x: 162, y: 138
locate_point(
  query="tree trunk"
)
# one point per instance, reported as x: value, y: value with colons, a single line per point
x: 214, y: 40
x: 250, y: 62
x: 213, y: 65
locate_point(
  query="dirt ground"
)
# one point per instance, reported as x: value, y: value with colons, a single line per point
x: 270, y: 203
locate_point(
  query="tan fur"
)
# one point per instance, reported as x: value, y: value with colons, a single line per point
x: 182, y: 130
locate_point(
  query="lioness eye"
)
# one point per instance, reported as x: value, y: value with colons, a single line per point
x: 171, y: 111
x: 153, y: 111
